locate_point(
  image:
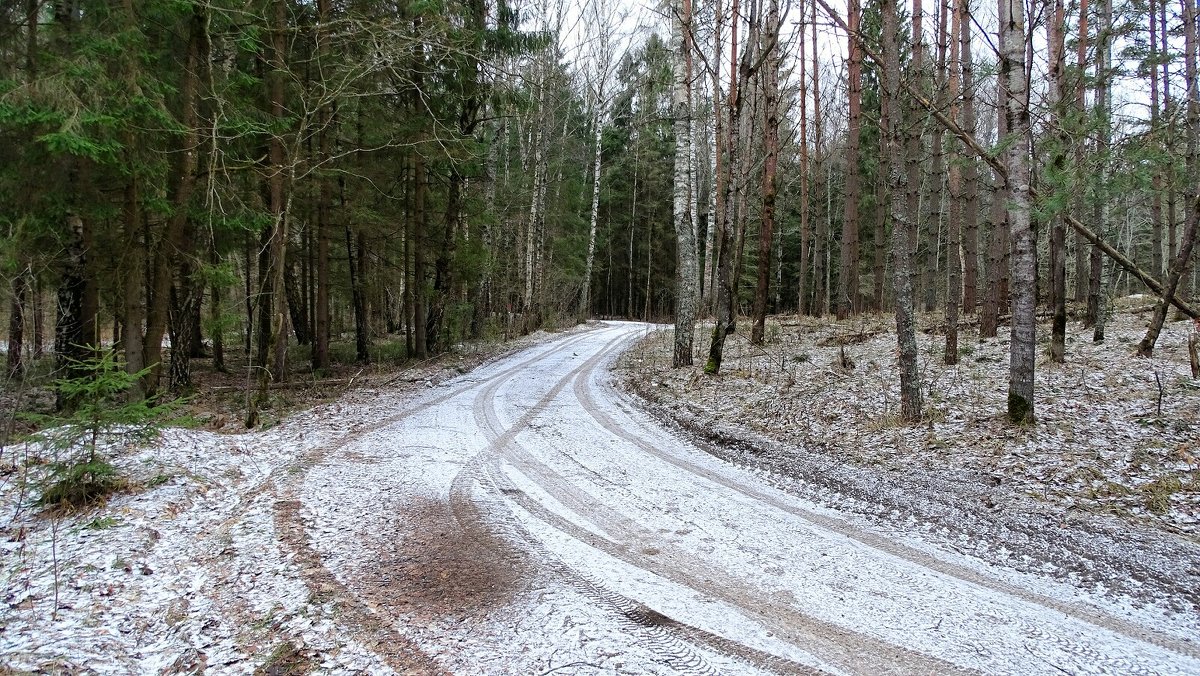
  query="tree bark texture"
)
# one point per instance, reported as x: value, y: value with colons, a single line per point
x: 1022, y: 345
x: 970, y: 169
x: 902, y: 227
x: 1058, y: 234
x: 687, y: 273
x: 848, y: 296
x: 955, y: 215
x: 770, y: 168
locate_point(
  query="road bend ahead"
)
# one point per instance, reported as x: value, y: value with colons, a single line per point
x: 527, y: 518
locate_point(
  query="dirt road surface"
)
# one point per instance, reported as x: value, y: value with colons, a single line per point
x: 528, y: 518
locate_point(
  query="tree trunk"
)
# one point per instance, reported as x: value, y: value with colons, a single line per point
x: 1082, y: 266
x: 443, y: 278
x: 1179, y: 264
x: 420, y: 229
x: 16, y: 326
x: 954, y: 186
x: 725, y: 319
x: 175, y: 242
x: 879, y: 262
x: 71, y: 340
x: 214, y: 314
x: 848, y: 275
x: 719, y: 156
x: 902, y: 238
x: 39, y: 320
x: 821, y: 231
x: 770, y: 165
x: 803, y: 306
x: 934, y: 186
x: 185, y: 300
x: 321, y: 329
x: 1058, y: 253
x: 273, y: 292
x: 1164, y: 48
x: 1097, y: 307
x: 133, y: 292
x: 970, y: 170
x: 1156, y: 182
x: 687, y: 273
x: 359, y: 299
x: 1022, y: 345
x: 915, y: 120
x: 585, y: 301
x: 998, y: 222
x: 293, y: 291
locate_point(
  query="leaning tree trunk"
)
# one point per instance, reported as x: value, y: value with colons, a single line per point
x: 1022, y: 345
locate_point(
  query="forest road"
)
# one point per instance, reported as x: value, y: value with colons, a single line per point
x: 527, y: 518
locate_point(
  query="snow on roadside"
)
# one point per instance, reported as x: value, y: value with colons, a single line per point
x: 185, y: 569
x: 181, y: 571
x: 1102, y: 464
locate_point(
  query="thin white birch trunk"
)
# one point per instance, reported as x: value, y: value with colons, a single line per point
x: 1022, y: 348
x: 585, y: 302
x: 687, y: 268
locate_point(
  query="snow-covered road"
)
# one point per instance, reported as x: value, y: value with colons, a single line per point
x: 526, y: 517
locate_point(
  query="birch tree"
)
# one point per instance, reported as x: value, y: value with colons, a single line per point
x: 604, y: 19
x: 687, y: 271
x: 1022, y: 345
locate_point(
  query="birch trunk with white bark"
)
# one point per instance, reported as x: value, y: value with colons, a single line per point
x: 687, y: 272
x: 1022, y: 345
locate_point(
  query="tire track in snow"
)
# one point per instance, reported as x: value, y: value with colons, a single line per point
x: 836, y: 645
x: 584, y: 385
x: 830, y: 643
x: 655, y: 631
x: 361, y: 616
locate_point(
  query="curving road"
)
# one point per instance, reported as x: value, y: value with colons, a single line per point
x: 527, y: 518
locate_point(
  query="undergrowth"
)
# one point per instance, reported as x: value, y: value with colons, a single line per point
x: 101, y: 413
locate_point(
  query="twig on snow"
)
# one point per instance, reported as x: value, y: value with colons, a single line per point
x: 572, y: 664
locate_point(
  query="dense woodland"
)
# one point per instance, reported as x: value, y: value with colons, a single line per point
x: 244, y: 177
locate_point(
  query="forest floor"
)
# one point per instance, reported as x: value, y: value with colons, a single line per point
x: 1116, y: 435
x: 512, y: 511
